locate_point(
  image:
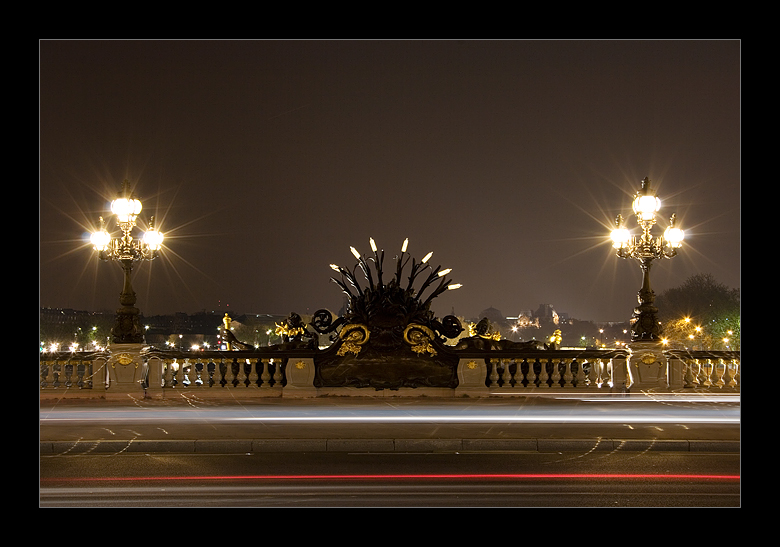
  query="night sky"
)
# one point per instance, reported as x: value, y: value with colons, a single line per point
x: 264, y: 161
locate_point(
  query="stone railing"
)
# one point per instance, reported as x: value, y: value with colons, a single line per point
x: 273, y: 372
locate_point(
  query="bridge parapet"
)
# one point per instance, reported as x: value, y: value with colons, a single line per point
x: 276, y: 372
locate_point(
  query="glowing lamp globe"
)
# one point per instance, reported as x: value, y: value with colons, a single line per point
x: 674, y: 236
x: 153, y: 239
x: 100, y: 240
x: 126, y: 209
x: 646, y: 206
x: 620, y: 237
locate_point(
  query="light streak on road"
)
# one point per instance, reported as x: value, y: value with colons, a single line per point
x: 622, y: 413
x: 439, y: 476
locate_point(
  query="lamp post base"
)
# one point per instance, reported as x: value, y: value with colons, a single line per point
x: 127, y: 327
x: 647, y: 368
x: 126, y: 369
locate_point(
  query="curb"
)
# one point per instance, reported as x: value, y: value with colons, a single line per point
x: 245, y: 446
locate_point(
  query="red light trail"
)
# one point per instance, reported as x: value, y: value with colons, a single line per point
x: 500, y: 476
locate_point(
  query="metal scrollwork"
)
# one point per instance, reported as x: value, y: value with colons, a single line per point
x: 322, y: 322
x: 353, y: 337
x: 420, y: 338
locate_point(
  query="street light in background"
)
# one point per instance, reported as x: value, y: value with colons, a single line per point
x: 645, y: 248
x: 126, y: 250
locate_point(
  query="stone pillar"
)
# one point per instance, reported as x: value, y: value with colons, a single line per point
x: 154, y: 375
x: 674, y: 369
x: 300, y: 378
x: 125, y: 369
x: 471, y: 378
x: 647, y: 366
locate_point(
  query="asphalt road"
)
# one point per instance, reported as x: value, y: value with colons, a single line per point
x: 474, y: 479
x: 551, y: 451
x: 187, y: 424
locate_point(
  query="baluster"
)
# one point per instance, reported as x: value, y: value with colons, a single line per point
x: 253, y: 376
x: 501, y: 368
x: 544, y: 376
x: 689, y: 379
x: 493, y: 375
x: 705, y: 375
x: 175, y: 367
x: 219, y: 372
x: 715, y: 380
x: 600, y: 367
x: 737, y: 374
x: 579, y: 379
x: 196, y: 372
x: 568, y: 377
x: 701, y: 375
x: 66, y: 371
x: 722, y: 374
x: 208, y: 371
x: 235, y: 370
x: 518, y: 372
x: 240, y: 373
x: 266, y: 374
x: 55, y: 373
x: 278, y: 377
x: 727, y: 378
x: 533, y: 377
x: 555, y: 370
x: 79, y: 369
x: 186, y: 372
x: 46, y: 373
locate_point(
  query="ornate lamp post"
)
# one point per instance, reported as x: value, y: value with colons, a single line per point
x: 126, y: 250
x: 645, y: 248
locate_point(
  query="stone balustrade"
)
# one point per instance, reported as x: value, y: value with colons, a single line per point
x: 272, y: 372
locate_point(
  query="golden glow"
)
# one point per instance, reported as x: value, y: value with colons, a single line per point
x: 100, y: 240
x: 355, y: 253
x: 620, y: 237
x: 674, y: 236
x: 645, y: 207
x: 405, y: 245
x: 427, y: 257
x: 125, y: 209
x: 153, y: 239
x: 453, y: 287
x: 334, y: 267
x: 445, y: 272
x: 373, y: 244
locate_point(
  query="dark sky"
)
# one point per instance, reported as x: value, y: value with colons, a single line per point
x: 263, y: 161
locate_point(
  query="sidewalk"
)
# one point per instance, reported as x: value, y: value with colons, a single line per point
x: 538, y: 423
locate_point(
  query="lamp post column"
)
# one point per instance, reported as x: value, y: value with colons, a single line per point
x: 646, y: 367
x: 127, y: 369
x: 127, y: 325
x: 644, y: 322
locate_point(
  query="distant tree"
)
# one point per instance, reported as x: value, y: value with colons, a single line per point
x: 701, y: 313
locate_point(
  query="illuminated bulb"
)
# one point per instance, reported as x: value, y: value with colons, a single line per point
x: 674, y: 236
x: 427, y: 257
x: 100, y: 240
x: 355, y: 253
x: 453, y: 287
x: 153, y: 239
x: 125, y: 209
x: 645, y: 207
x: 405, y: 245
x: 620, y: 237
x: 373, y: 245
x: 334, y: 267
x: 445, y: 272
